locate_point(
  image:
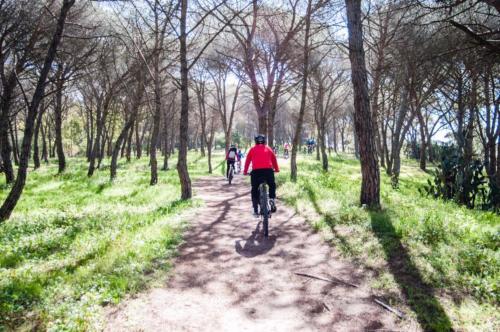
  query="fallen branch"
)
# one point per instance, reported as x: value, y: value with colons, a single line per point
x: 335, y: 280
x: 391, y: 309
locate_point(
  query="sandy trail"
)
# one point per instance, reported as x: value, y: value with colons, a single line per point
x: 229, y: 278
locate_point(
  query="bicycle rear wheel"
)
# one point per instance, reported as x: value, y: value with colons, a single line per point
x: 231, y: 171
x: 264, y: 209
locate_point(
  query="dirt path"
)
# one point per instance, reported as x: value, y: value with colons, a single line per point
x: 229, y: 278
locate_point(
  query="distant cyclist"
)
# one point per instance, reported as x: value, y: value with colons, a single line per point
x: 264, y: 164
x: 238, y: 163
x: 286, y: 149
x: 231, y: 158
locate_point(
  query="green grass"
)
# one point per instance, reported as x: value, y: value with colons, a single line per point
x: 436, y: 260
x: 75, y: 243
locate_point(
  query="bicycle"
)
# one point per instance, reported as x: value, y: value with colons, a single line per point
x: 265, y: 210
x: 231, y: 174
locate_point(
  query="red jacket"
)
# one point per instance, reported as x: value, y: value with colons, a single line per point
x: 262, y: 157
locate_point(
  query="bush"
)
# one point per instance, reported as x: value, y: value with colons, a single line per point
x: 461, y: 181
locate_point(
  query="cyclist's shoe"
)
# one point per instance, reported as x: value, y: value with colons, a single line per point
x: 273, y: 205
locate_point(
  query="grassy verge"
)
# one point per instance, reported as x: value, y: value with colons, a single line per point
x: 435, y: 260
x: 74, y: 243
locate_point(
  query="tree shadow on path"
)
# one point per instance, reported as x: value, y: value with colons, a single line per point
x: 256, y: 244
x: 419, y: 295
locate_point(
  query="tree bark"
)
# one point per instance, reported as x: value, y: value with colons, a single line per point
x: 138, y: 141
x: 182, y: 169
x: 45, y: 155
x: 6, y: 103
x: 155, y: 133
x: 363, y: 120
x: 17, y: 189
x: 423, y: 141
x: 38, y: 126
x: 305, y: 74
x: 61, y: 158
x: 14, y: 140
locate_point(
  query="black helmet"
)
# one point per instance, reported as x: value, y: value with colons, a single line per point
x: 260, y: 139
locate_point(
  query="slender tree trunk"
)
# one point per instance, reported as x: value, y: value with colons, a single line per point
x: 45, y: 155
x: 128, y: 153
x: 138, y: 141
x: 156, y: 132
x: 90, y: 134
x: 97, y: 143
x: 61, y: 159
x: 324, y: 155
x: 363, y: 120
x: 38, y: 126
x: 334, y: 137
x: 423, y: 141
x: 6, y: 102
x: 17, y: 189
x: 318, y: 157
x: 14, y: 140
x: 123, y: 148
x: 305, y: 74
x: 49, y: 140
x: 116, y: 150
x: 182, y: 169
x: 104, y: 138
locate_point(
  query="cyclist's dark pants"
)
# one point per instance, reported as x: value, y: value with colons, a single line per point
x: 229, y: 163
x: 257, y: 177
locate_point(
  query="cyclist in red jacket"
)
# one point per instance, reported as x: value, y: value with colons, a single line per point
x: 264, y: 164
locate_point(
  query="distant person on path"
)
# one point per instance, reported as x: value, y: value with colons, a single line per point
x: 231, y: 157
x: 286, y: 150
x: 238, y: 163
x: 264, y: 164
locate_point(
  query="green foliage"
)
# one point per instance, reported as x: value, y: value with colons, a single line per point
x: 465, y: 183
x: 74, y: 135
x: 75, y: 243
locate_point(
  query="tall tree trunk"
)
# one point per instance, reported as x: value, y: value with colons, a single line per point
x: 128, y: 153
x: 324, y: 155
x: 14, y: 140
x: 45, y: 155
x: 182, y: 167
x: 6, y: 153
x: 90, y: 134
x: 61, y: 159
x: 423, y: 141
x: 100, y: 153
x: 305, y: 74
x: 6, y: 102
x: 363, y: 120
x: 17, y: 189
x: 334, y: 137
x: 168, y: 130
x: 116, y: 150
x: 318, y: 157
x: 38, y: 125
x: 97, y: 142
x: 156, y: 131
x: 138, y: 141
